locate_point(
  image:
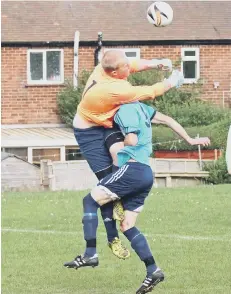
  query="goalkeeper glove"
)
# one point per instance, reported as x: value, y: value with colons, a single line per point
x: 176, y: 79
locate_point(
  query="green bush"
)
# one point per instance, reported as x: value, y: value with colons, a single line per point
x: 181, y: 104
x: 195, y: 113
x: 169, y: 103
x: 69, y: 98
x: 217, y: 132
x: 172, y: 97
x: 217, y: 172
x: 148, y: 78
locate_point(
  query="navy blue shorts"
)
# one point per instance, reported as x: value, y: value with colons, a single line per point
x: 94, y: 144
x: 131, y: 183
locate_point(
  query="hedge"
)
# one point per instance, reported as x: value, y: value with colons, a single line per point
x: 217, y: 132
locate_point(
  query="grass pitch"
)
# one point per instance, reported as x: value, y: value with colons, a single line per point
x: 188, y: 229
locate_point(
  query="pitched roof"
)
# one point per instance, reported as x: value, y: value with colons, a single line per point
x: 29, y: 136
x: 5, y: 155
x: 35, y: 21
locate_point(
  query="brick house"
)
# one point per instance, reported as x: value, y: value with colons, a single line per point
x: 38, y: 55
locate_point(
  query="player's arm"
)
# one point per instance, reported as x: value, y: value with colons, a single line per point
x: 131, y: 139
x: 160, y: 118
x: 228, y: 152
x: 125, y: 93
x: 128, y: 121
x: 144, y: 64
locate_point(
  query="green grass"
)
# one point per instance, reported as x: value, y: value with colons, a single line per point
x: 32, y: 260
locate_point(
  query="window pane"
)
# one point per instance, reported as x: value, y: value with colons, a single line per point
x: 21, y: 152
x: 189, y: 69
x: 130, y: 54
x: 73, y: 153
x: 51, y: 153
x: 189, y: 53
x: 36, y: 66
x: 53, y: 65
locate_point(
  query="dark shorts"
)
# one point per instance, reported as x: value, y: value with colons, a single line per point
x: 131, y: 183
x: 94, y: 144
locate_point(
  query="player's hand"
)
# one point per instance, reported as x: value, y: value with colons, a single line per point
x: 163, y: 64
x: 204, y: 141
x: 176, y: 79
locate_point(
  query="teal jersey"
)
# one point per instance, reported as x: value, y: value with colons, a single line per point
x: 136, y: 118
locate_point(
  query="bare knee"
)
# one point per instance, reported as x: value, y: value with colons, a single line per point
x: 129, y: 220
x: 102, y: 195
x: 125, y: 225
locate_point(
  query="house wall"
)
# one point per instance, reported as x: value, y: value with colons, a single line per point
x: 18, y: 175
x: 26, y: 104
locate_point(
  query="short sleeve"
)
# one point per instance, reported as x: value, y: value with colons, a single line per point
x: 128, y: 119
x: 149, y: 110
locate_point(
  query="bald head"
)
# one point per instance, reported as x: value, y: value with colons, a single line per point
x: 113, y: 59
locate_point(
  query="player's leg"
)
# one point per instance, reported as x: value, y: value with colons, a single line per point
x: 133, y: 206
x: 107, y: 190
x: 92, y: 146
x: 130, y: 178
x: 91, y: 202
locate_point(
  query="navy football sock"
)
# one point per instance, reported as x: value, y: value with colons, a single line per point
x: 109, y: 222
x: 90, y: 224
x: 140, y: 245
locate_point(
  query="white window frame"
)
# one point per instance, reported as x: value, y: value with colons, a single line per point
x: 45, y: 81
x: 191, y: 58
x: 61, y: 148
x: 125, y: 50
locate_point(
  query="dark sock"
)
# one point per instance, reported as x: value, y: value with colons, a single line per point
x: 115, y: 168
x: 140, y: 245
x: 109, y: 222
x: 90, y: 224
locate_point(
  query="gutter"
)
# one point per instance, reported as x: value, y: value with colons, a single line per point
x: 118, y: 43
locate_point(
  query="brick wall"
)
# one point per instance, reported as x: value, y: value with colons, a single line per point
x: 215, y: 65
x: 23, y: 104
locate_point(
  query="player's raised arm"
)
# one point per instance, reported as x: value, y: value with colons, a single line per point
x: 160, y: 118
x: 126, y: 93
x: 144, y: 64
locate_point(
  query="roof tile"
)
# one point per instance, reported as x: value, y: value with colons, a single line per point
x: 28, y: 21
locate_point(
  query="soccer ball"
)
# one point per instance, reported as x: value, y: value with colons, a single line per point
x: 160, y: 14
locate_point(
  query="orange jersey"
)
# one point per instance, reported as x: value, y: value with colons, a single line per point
x: 103, y: 96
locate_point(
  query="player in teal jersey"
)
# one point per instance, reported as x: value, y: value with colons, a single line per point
x: 135, y: 118
x: 131, y: 183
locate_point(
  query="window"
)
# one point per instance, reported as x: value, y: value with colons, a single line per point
x: 73, y: 153
x: 46, y: 153
x: 20, y: 152
x: 131, y: 53
x: 45, y: 67
x: 190, y: 64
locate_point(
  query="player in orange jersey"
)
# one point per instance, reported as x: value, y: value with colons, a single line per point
x: 99, y: 140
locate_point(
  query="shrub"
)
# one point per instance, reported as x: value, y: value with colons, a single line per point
x: 217, y: 172
x: 148, y: 78
x: 172, y: 97
x: 69, y: 98
x: 181, y: 104
x: 217, y: 132
x: 195, y: 113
